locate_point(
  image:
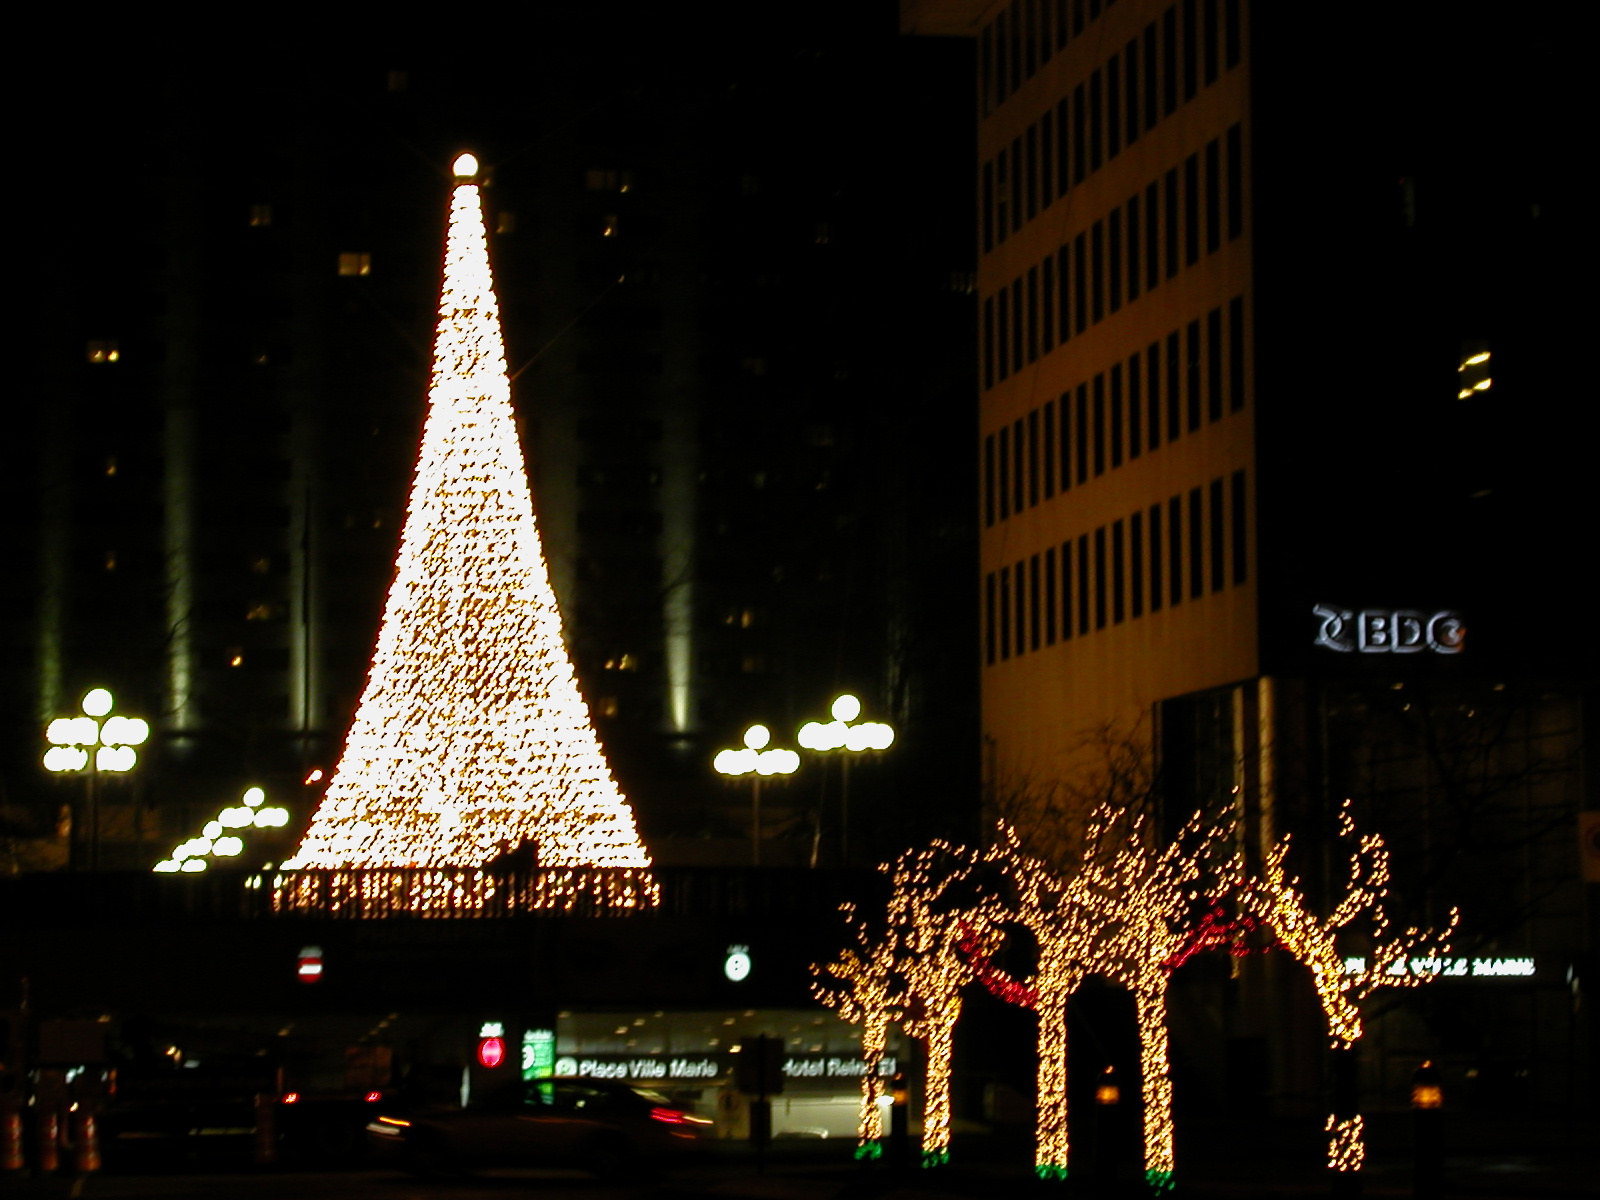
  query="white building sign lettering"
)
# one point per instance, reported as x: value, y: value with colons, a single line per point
x: 1389, y: 630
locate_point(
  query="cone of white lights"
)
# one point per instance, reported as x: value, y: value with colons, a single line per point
x: 1397, y: 959
x: 862, y: 986
x: 471, y: 739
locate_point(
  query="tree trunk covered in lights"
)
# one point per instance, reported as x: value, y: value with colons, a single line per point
x: 938, y: 1032
x: 874, y: 1041
x: 1155, y: 1070
x: 1051, y: 1139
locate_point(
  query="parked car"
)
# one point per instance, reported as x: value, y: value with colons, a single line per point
x: 609, y: 1128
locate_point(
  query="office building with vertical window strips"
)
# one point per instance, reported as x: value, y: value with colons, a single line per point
x: 1278, y: 493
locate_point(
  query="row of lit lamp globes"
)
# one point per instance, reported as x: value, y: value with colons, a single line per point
x: 756, y: 759
x: 220, y: 837
x: 113, y: 740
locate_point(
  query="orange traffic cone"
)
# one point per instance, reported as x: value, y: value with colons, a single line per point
x: 49, y: 1140
x: 11, y: 1140
x: 85, y: 1144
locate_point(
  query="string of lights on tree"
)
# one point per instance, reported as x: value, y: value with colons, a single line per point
x: 934, y: 910
x: 1397, y: 959
x: 862, y: 986
x: 1132, y: 911
x: 471, y: 739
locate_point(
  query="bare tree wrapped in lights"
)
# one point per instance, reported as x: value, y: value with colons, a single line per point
x: 863, y: 986
x: 1145, y: 897
x: 1396, y: 959
x: 1122, y: 912
x: 942, y: 922
x: 471, y: 739
x: 1065, y: 922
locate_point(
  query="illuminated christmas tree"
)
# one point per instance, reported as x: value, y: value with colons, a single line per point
x: 471, y: 739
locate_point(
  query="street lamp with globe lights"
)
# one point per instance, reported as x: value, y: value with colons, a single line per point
x: 756, y: 760
x: 840, y: 734
x: 112, y: 741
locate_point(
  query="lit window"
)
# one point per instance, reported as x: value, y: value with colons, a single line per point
x: 261, y: 612
x: 260, y: 215
x: 606, y: 706
x: 610, y: 226
x: 260, y: 564
x: 103, y: 352
x: 1472, y: 375
x: 622, y: 662
x: 398, y: 80
x: 600, y: 180
x: 111, y: 560
x: 235, y: 656
x: 111, y: 465
x: 351, y: 263
x: 506, y: 222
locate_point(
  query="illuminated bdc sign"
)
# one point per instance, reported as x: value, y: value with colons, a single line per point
x: 1389, y: 630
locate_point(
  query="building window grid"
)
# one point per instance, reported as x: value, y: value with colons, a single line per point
x: 1103, y: 113
x: 1113, y: 565
x: 1108, y: 423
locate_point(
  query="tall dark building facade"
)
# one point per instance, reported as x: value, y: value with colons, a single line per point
x: 1276, y: 351
x: 739, y: 361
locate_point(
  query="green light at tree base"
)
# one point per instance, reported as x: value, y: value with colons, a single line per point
x: 869, y: 1151
x: 935, y: 1158
x: 1052, y: 1171
x: 1159, y: 1181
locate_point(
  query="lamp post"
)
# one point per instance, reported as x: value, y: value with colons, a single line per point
x: 112, y: 742
x: 755, y: 760
x: 840, y: 734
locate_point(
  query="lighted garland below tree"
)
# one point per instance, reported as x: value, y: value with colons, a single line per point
x: 471, y: 740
